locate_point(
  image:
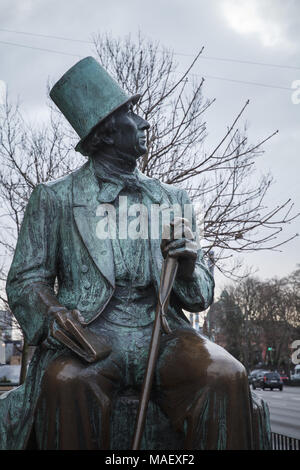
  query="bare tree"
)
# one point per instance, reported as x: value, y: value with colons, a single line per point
x: 232, y: 322
x: 279, y: 318
x: 271, y: 316
x: 222, y: 179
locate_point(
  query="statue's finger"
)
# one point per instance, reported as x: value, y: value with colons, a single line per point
x: 183, y: 253
x: 175, y: 244
x: 77, y: 315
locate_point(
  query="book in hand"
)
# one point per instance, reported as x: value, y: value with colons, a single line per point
x: 81, y: 341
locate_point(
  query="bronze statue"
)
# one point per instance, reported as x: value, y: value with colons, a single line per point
x: 93, y: 335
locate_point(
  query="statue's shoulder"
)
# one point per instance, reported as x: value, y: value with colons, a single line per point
x: 169, y: 189
x: 63, y: 186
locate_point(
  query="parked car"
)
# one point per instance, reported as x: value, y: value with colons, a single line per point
x: 254, y: 373
x: 251, y: 376
x: 295, y: 379
x: 267, y: 380
x: 9, y: 375
x: 285, y: 379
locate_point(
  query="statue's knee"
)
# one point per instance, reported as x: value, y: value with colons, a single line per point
x: 224, y: 367
x: 62, y: 373
x: 189, y: 358
x: 183, y: 360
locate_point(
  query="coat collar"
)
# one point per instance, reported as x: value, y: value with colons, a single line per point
x: 85, y: 191
x: 86, y: 187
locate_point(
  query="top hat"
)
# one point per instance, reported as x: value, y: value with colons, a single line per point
x: 86, y: 94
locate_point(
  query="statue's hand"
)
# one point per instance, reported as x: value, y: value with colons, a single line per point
x: 59, y: 317
x: 181, y: 245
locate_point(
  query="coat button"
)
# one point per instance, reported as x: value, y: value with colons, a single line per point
x: 87, y: 285
x: 84, y: 268
x: 103, y: 252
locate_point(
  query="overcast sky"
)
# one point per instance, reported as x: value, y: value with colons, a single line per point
x: 261, y: 31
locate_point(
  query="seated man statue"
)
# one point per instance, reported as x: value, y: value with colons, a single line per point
x: 92, y: 332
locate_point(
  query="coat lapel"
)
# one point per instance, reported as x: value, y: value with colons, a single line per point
x: 155, y: 195
x: 85, y: 203
x: 87, y: 197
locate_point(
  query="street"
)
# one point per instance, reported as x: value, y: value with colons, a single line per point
x: 284, y: 410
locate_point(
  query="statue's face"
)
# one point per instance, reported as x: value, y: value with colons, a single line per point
x: 130, y: 134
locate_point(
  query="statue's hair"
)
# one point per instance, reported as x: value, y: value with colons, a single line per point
x: 94, y: 141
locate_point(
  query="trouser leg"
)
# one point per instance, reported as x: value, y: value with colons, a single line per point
x: 205, y: 392
x: 74, y: 407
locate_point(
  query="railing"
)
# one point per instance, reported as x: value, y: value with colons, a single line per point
x: 281, y: 442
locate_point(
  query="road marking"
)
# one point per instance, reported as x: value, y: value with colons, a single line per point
x: 275, y: 395
x: 269, y: 395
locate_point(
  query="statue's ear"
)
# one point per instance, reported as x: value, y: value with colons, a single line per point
x: 108, y: 140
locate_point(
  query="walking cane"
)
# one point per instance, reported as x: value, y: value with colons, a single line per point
x: 168, y: 274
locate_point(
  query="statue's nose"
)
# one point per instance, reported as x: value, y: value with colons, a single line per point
x: 143, y: 124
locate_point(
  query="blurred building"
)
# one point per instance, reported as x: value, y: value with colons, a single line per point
x: 213, y: 324
x: 6, y: 324
x: 196, y: 320
x: 10, y: 347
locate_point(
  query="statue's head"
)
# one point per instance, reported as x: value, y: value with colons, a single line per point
x: 123, y: 131
x: 99, y: 110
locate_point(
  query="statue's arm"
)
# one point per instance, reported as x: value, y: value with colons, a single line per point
x: 30, y: 282
x: 195, y: 294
